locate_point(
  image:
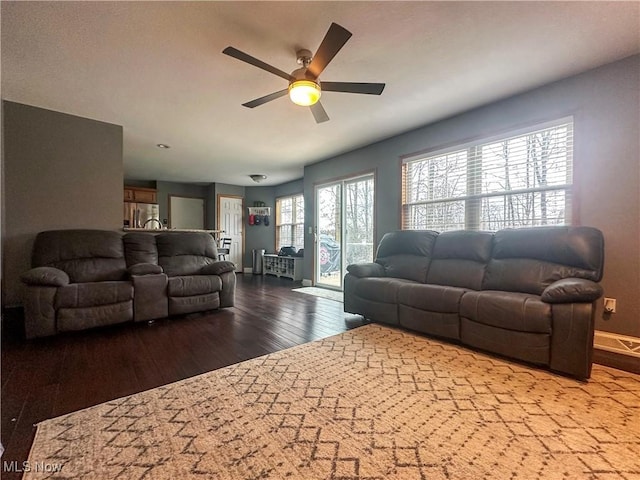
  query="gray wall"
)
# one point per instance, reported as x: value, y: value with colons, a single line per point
x: 605, y: 105
x: 290, y: 188
x: 60, y: 171
x: 261, y: 236
x: 165, y: 189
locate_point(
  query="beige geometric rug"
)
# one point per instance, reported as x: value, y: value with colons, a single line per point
x: 371, y: 403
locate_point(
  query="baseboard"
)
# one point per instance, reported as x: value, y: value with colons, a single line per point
x: 307, y: 283
x: 616, y: 343
x: 617, y: 351
x: 616, y: 360
x: 13, y: 322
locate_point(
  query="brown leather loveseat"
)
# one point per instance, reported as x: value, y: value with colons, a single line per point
x: 528, y: 294
x: 86, y: 278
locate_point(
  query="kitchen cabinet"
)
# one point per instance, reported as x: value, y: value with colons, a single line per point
x: 140, y: 195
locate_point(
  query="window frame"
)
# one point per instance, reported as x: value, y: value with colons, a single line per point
x: 474, y: 197
x: 295, y: 217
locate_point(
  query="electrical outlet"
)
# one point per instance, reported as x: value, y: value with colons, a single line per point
x: 609, y: 305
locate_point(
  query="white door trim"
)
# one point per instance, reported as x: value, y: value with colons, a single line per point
x: 232, y: 222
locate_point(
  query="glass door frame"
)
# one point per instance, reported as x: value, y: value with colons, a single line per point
x: 341, y: 182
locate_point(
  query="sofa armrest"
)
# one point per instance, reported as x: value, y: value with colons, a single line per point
x: 362, y: 270
x: 144, y: 269
x: 572, y: 290
x: 45, y: 277
x: 218, y: 268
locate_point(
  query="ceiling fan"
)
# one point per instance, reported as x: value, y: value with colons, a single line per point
x: 305, y: 87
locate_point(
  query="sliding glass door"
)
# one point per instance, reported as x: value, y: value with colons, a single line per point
x: 344, y: 228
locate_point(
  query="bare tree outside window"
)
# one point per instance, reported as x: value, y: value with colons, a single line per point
x: 359, y: 220
x: 520, y: 181
x: 290, y: 222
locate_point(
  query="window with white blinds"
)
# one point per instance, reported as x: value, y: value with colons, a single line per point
x: 290, y: 222
x: 518, y: 180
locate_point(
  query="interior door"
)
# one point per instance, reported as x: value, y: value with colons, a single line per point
x: 230, y: 220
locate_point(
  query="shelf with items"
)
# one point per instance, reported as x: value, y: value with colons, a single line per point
x: 281, y: 266
x: 262, y: 211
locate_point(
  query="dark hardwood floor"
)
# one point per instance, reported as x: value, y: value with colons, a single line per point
x: 48, y: 377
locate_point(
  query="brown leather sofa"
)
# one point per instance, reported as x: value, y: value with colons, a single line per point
x: 86, y: 278
x: 528, y: 294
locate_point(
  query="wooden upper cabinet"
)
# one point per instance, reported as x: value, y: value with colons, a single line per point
x: 142, y: 195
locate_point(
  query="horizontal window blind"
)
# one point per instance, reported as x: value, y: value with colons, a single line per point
x: 290, y: 221
x: 517, y: 181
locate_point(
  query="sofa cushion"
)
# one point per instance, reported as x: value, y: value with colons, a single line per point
x: 85, y: 255
x: 218, y: 268
x: 140, y: 247
x: 89, y: 317
x: 46, y: 277
x: 406, y: 253
x: 81, y: 295
x: 508, y: 310
x: 529, y: 260
x: 362, y: 270
x: 572, y: 290
x: 380, y: 289
x: 431, y: 298
x: 185, y: 253
x: 528, y: 346
x: 189, y: 285
x: 459, y: 259
x: 410, y: 267
x: 198, y: 303
x: 144, y: 269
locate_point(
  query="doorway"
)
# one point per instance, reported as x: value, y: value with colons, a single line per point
x: 345, y: 228
x: 230, y: 220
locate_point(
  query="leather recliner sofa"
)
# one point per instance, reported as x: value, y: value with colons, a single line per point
x: 87, y: 278
x: 528, y: 294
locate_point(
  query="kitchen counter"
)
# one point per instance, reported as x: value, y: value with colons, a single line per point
x: 215, y: 233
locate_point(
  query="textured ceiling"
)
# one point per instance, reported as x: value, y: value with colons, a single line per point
x: 156, y: 68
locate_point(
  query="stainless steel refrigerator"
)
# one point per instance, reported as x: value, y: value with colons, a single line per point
x: 141, y: 215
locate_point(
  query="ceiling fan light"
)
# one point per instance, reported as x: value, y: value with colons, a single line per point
x: 304, y: 92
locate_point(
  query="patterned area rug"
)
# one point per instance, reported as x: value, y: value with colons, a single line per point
x: 372, y: 403
x: 321, y: 292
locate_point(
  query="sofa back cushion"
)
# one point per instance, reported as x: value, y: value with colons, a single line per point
x: 185, y: 253
x: 406, y: 253
x: 528, y: 260
x: 459, y: 259
x: 84, y: 255
x: 140, y: 247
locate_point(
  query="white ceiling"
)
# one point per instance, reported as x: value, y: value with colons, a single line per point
x: 156, y: 68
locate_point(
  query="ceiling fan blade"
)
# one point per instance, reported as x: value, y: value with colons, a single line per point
x: 353, y: 87
x: 333, y: 41
x: 267, y: 98
x: 318, y: 112
x: 245, y: 57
